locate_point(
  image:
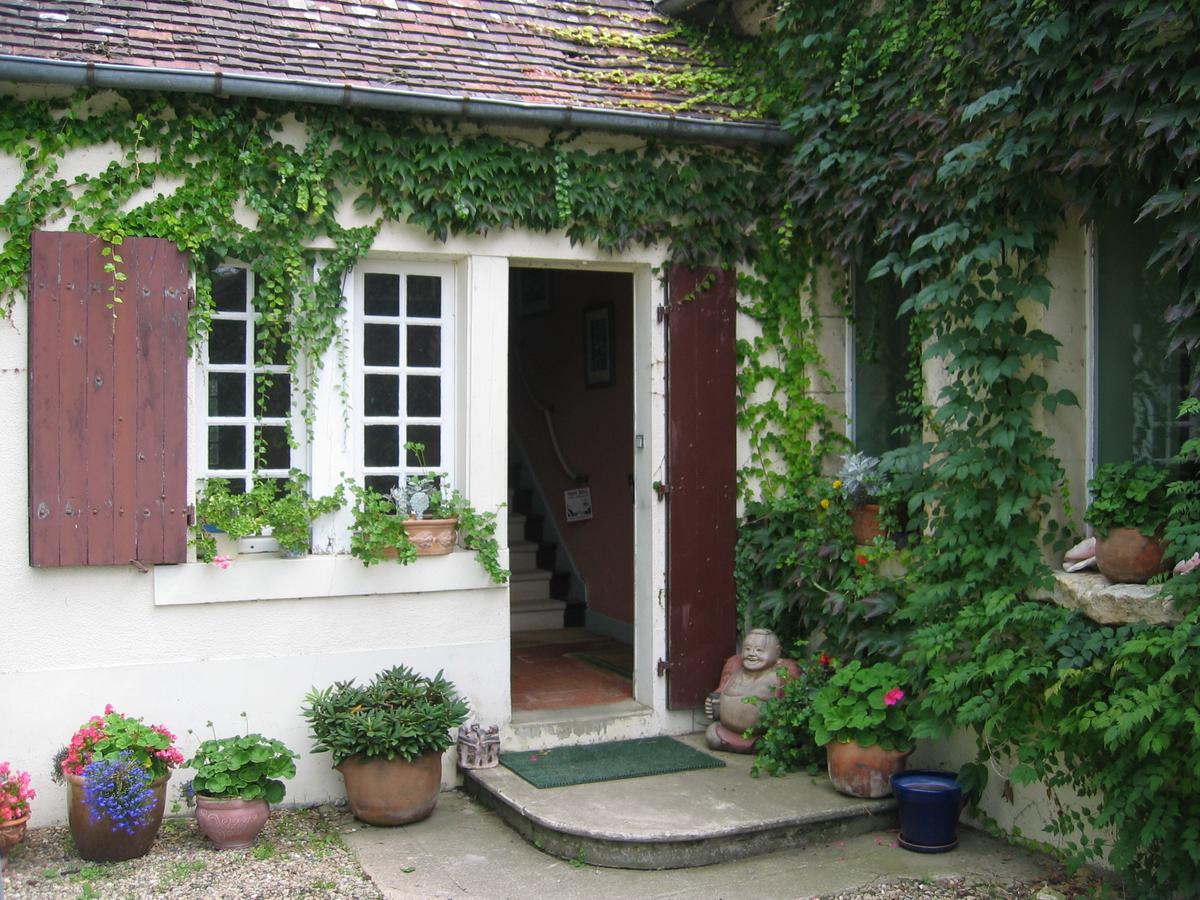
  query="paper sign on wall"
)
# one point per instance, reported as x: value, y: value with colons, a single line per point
x: 579, y: 504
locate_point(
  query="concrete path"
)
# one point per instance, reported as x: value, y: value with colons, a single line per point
x: 466, y: 851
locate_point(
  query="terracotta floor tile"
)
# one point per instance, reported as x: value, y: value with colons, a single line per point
x: 545, y: 677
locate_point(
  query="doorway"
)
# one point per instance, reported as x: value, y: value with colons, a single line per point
x: 571, y: 491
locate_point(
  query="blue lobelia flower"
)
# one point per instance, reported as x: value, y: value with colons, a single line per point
x: 118, y: 789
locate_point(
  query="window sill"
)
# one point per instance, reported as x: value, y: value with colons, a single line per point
x: 261, y: 577
x: 1113, y: 604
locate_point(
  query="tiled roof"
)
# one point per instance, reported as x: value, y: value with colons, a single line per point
x: 544, y: 52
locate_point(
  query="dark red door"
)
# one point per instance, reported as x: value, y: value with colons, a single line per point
x: 702, y: 476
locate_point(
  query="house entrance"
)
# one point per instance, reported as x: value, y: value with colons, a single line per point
x: 571, y: 490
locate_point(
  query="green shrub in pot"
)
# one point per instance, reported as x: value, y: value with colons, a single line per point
x: 1125, y: 495
x: 250, y: 767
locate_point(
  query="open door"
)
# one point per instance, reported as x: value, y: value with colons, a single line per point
x: 701, y: 480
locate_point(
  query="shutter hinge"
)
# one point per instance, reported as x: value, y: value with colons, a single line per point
x: 140, y: 566
x: 190, y: 512
x: 190, y: 296
x: 661, y: 489
x: 662, y: 313
x: 663, y: 665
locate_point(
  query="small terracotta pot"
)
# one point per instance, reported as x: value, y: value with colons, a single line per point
x: 12, y: 833
x: 864, y: 522
x: 863, y: 771
x: 1126, y: 556
x: 97, y: 840
x: 231, y: 823
x: 433, y: 537
x: 392, y: 791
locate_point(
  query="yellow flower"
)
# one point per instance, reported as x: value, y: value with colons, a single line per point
x: 825, y: 503
x: 837, y: 483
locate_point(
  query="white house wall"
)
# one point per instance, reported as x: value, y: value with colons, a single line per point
x: 187, y: 644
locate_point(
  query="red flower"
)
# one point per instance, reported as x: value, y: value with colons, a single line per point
x: 824, y: 659
x: 860, y: 559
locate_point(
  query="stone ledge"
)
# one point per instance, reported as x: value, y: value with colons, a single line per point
x: 1113, y: 604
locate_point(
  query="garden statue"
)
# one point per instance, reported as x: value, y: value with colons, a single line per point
x: 757, y: 673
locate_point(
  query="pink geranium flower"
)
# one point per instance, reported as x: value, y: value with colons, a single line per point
x: 222, y: 562
x: 892, y: 697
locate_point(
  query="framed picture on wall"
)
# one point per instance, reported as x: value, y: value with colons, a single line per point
x: 529, y: 289
x: 599, y: 346
x: 578, y: 503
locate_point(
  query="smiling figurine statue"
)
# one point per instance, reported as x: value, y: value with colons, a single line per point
x: 757, y: 673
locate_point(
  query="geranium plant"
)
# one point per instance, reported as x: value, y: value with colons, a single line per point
x: 1129, y: 496
x: 787, y: 741
x: 247, y: 767
x: 115, y: 734
x: 867, y: 704
x: 15, y: 793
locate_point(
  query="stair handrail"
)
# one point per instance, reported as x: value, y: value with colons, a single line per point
x: 548, y: 416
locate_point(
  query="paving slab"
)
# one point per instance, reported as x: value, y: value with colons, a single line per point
x: 466, y: 851
x: 681, y: 819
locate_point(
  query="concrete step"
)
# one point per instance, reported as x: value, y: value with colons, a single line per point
x: 679, y: 820
x: 522, y: 555
x: 536, y: 613
x: 535, y: 729
x: 516, y: 527
x: 533, y: 584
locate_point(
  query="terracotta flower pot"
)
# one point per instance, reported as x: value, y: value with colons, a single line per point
x: 863, y: 771
x: 392, y: 791
x: 231, y: 823
x: 97, y: 840
x: 12, y: 833
x: 433, y: 537
x: 864, y: 522
x: 1126, y: 556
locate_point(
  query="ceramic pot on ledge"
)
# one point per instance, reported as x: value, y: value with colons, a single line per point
x: 1126, y: 556
x: 97, y: 840
x: 863, y: 771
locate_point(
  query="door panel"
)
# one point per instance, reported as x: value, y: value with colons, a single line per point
x: 702, y: 473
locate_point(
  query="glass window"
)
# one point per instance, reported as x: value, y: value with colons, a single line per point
x: 881, y: 360
x: 249, y: 410
x: 1139, y: 384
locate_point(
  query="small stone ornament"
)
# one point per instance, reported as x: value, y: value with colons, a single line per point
x: 478, y: 748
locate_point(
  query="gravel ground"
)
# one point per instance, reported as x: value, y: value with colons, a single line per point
x: 299, y: 854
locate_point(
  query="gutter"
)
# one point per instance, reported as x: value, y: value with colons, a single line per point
x: 676, y: 7
x: 114, y: 76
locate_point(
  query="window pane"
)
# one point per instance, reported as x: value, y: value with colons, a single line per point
x: 881, y: 363
x: 381, y: 294
x: 381, y: 483
x: 272, y: 395
x: 424, y: 345
x: 381, y: 446
x: 382, y: 395
x: 226, y: 394
x: 424, y: 297
x: 381, y: 345
x: 229, y: 288
x: 272, y: 448
x: 424, y: 395
x: 227, y: 341
x: 226, y: 447
x: 431, y: 437
x: 274, y: 353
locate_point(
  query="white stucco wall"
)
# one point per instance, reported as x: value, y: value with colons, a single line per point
x: 187, y: 644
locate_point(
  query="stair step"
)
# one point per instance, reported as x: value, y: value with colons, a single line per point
x: 522, y: 555
x: 535, y: 614
x: 612, y: 824
x: 533, y: 584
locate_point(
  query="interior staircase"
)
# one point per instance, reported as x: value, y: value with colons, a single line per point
x: 539, y: 594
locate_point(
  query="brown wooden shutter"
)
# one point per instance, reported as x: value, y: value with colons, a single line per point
x: 702, y: 486
x: 107, y: 403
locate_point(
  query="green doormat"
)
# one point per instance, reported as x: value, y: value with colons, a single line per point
x: 606, y: 762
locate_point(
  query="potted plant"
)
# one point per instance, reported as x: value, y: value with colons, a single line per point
x: 423, y: 517
x: 861, y: 717
x: 222, y: 517
x: 15, y: 794
x: 929, y: 804
x: 116, y: 769
x: 1128, y: 511
x: 861, y: 482
x: 387, y: 739
x: 291, y: 514
x: 236, y: 780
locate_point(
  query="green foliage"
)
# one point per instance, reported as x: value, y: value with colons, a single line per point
x: 286, y: 507
x: 290, y: 514
x: 861, y: 479
x: 398, y: 714
x: 866, y: 704
x: 1128, y: 496
x: 248, y: 767
x: 786, y: 742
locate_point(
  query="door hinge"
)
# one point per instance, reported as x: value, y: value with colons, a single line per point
x: 663, y: 665
x: 661, y: 489
x: 190, y: 512
x: 662, y: 313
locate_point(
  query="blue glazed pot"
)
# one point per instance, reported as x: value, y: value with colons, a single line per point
x: 929, y: 804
